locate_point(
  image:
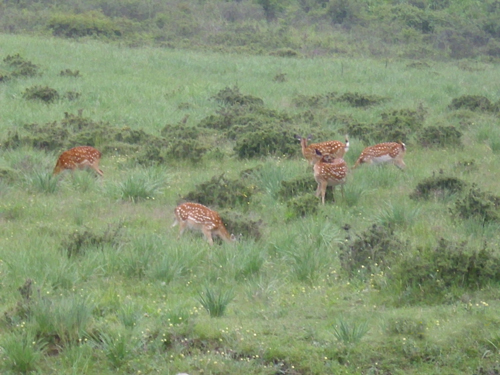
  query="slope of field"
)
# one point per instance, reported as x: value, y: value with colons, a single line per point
x: 398, y: 276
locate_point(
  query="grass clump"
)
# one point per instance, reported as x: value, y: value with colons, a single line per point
x: 221, y: 191
x: 439, y: 187
x: 350, y: 333
x: 70, y: 73
x: 216, y: 300
x: 22, y: 352
x: 44, y: 93
x: 407, y: 327
x: 241, y: 225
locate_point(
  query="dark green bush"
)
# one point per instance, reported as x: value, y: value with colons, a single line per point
x: 71, y: 95
x: 407, y: 327
x: 296, y: 187
x: 19, y: 67
x: 439, y: 136
x: 233, y: 96
x: 239, y: 224
x: 263, y: 140
x: 476, y: 204
x: 70, y: 73
x: 373, y: 250
x: 431, y: 274
x: 84, y: 24
x: 222, y: 192
x: 79, y: 242
x: 438, y: 187
x: 471, y: 102
x: 314, y: 100
x: 45, y: 94
x: 284, y: 52
x: 360, y: 100
x: 301, y: 206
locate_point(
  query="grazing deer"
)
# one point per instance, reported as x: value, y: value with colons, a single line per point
x: 389, y: 152
x: 336, y: 149
x: 199, y: 217
x: 329, y: 171
x: 79, y: 157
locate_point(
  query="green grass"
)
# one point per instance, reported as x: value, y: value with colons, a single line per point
x: 113, y: 288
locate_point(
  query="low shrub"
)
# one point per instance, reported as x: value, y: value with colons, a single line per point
x: 477, y: 204
x: 439, y: 136
x: 471, y: 102
x: 360, y: 100
x: 79, y: 242
x: 296, y: 186
x: 439, y: 186
x: 84, y: 24
x: 240, y: 224
x: 45, y: 94
x: 301, y: 206
x: 233, y: 96
x: 435, y: 273
x: 69, y: 73
x: 314, y: 100
x: 375, y: 249
x: 17, y: 66
x: 222, y: 192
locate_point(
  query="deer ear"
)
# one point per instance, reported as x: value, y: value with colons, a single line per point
x: 309, y: 137
x: 298, y: 137
x: 318, y: 152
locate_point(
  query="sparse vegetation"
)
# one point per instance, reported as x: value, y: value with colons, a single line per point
x: 93, y: 279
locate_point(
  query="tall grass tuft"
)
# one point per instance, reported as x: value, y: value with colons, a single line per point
x: 141, y: 185
x: 215, y: 301
x: 21, y: 352
x: 397, y: 214
x: 42, y: 182
x: 349, y: 333
x: 118, y: 347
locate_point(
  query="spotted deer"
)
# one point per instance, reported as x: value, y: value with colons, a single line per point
x: 79, y: 157
x: 336, y: 149
x: 199, y: 217
x: 388, y: 152
x: 329, y: 171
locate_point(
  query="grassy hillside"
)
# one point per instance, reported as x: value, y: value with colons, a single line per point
x: 398, y: 276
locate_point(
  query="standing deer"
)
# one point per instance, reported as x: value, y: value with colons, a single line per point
x: 329, y: 171
x: 389, y: 152
x: 199, y: 217
x: 336, y: 149
x: 79, y: 157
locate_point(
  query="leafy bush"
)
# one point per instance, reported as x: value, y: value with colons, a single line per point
x: 393, y: 126
x: 296, y: 186
x: 70, y: 73
x: 374, y: 249
x: 477, y: 204
x: 438, y: 187
x: 360, y: 100
x: 301, y: 206
x: 239, y: 224
x: 19, y: 67
x: 431, y: 273
x: 45, y: 94
x: 83, y: 24
x: 79, y: 242
x: 221, y: 191
x: 405, y: 327
x: 314, y: 100
x: 233, y: 96
x: 439, y: 136
x: 471, y: 102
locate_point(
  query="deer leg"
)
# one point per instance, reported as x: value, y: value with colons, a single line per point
x: 400, y: 164
x: 182, y: 228
x: 208, y: 235
x: 324, y: 185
